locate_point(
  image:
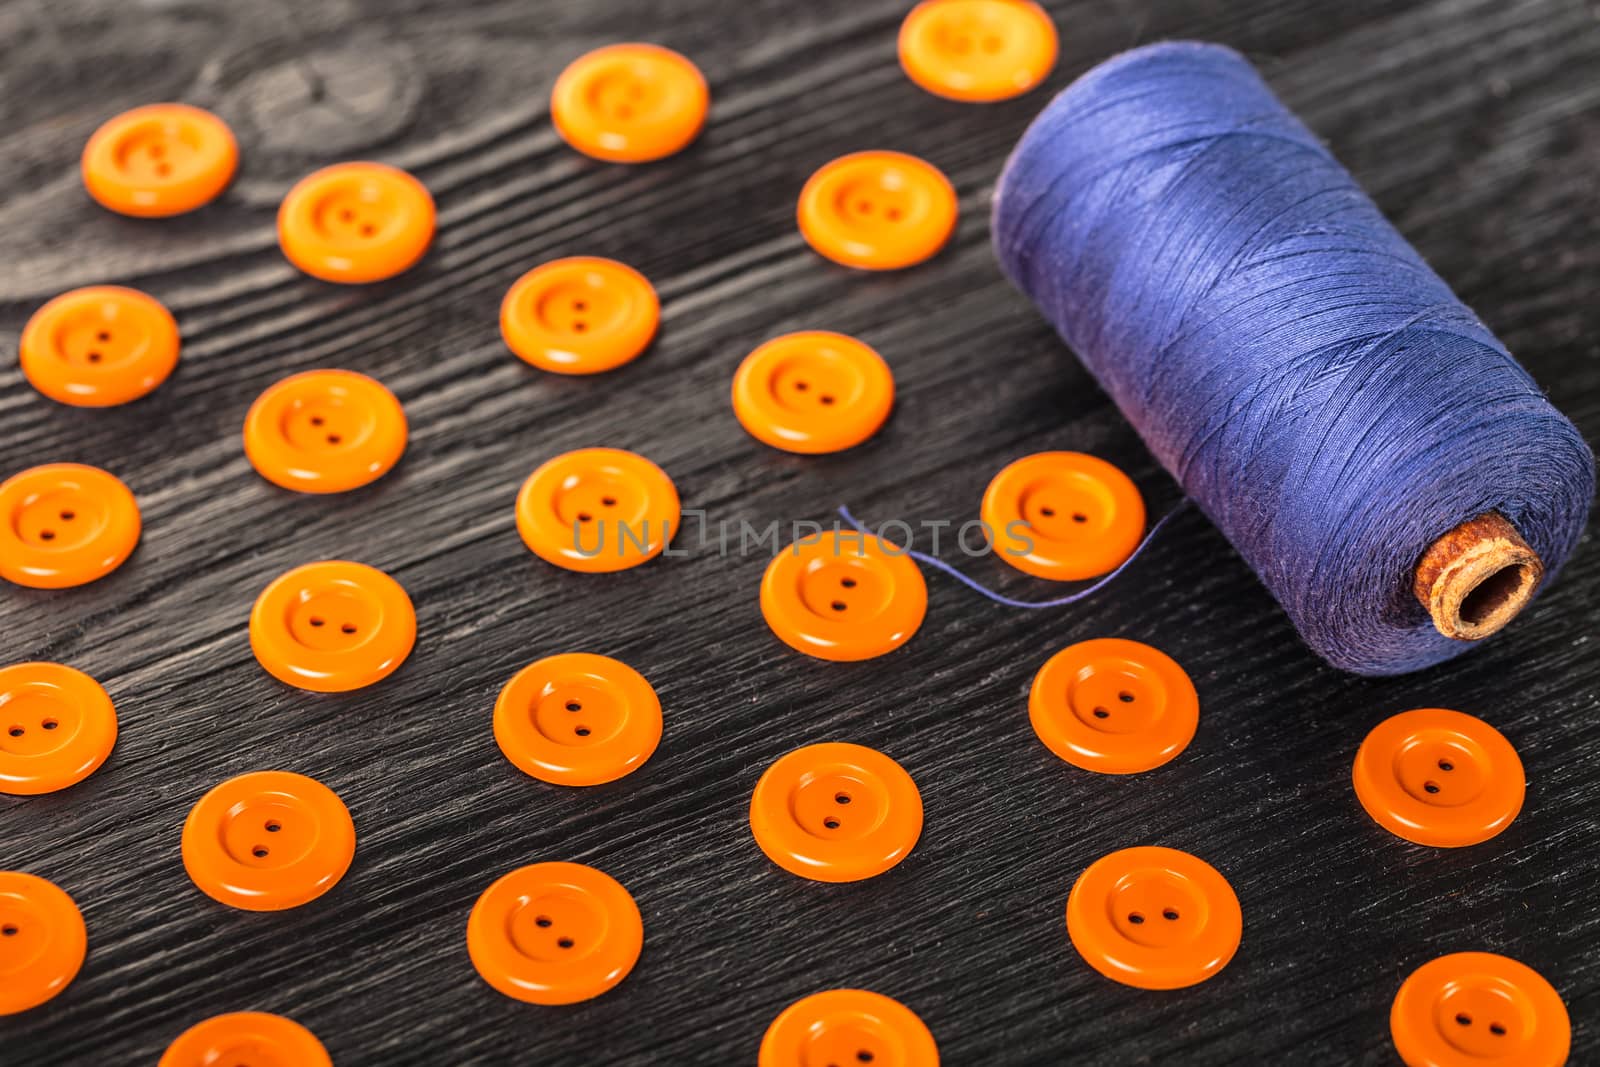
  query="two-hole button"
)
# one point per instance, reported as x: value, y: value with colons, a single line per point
x: 554, y: 933
x: 159, y: 160
x: 356, y: 222
x: 813, y: 392
x: 1477, y: 1009
x: 847, y: 1028
x: 99, y: 346
x: 1113, y: 706
x: 324, y: 431
x: 57, y: 725
x: 580, y: 315
x: 1154, y: 918
x: 1439, y: 777
x: 42, y: 941
x: 839, y: 596
x: 268, y: 840
x: 597, y: 510
x: 246, y: 1039
x: 630, y: 103
x: 977, y: 50
x: 1063, y: 515
x: 877, y: 210
x: 332, y: 626
x: 836, y: 812
x: 65, y: 524
x: 577, y: 719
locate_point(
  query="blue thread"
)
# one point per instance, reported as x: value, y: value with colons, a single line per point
x: 1071, y: 598
x: 1310, y: 382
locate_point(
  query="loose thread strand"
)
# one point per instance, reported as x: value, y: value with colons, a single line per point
x: 999, y: 598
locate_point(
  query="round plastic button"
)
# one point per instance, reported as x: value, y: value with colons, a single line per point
x: 1476, y: 1009
x: 877, y: 210
x: 158, y: 160
x: 813, y: 392
x: 42, y: 941
x: 1154, y: 918
x: 554, y: 933
x: 630, y: 103
x: 1113, y: 706
x: 1063, y: 516
x: 100, y: 346
x: 356, y: 222
x: 324, y: 431
x: 836, y: 812
x: 1438, y: 777
x: 847, y: 1027
x: 332, y: 626
x: 597, y: 509
x: 843, y: 597
x: 249, y: 1039
x: 268, y: 840
x: 56, y: 727
x: 577, y: 719
x: 581, y: 315
x: 65, y: 524
x: 977, y: 50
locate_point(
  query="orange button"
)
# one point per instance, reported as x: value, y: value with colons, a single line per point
x: 1439, y: 777
x: 1154, y: 918
x: 1113, y: 706
x: 64, y: 524
x: 100, y: 346
x: 577, y: 719
x: 554, y: 933
x: 42, y: 941
x: 813, y: 392
x: 630, y: 103
x: 158, y: 160
x: 597, y: 509
x: 58, y: 727
x: 840, y: 596
x: 1476, y: 1009
x: 1063, y: 516
x: 324, y: 431
x: 268, y: 840
x: 847, y: 1027
x: 249, y: 1039
x: 332, y: 626
x: 977, y: 50
x: 877, y: 210
x: 356, y: 222
x: 581, y: 315
x: 836, y: 812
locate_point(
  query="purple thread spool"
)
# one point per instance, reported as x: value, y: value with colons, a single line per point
x: 1395, y: 478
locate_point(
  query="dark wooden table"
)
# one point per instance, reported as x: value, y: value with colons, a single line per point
x: 1475, y: 124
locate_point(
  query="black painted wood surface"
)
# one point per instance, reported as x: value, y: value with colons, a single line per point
x: 1474, y: 123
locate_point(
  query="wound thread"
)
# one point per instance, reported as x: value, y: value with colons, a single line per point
x: 1309, y: 381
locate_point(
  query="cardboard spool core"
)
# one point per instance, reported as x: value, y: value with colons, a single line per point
x: 1477, y: 577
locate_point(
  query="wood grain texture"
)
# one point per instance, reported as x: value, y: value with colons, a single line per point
x: 1474, y: 123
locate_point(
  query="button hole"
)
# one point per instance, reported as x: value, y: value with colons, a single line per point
x: 582, y: 731
x: 334, y: 438
x: 1078, y: 516
x: 543, y: 920
x: 839, y: 605
x: 1101, y: 713
x: 801, y: 386
x: 10, y: 930
x: 1497, y: 1030
x: 579, y: 305
x: 49, y: 724
x: 68, y: 516
x: 103, y: 335
x: 16, y: 731
x: 1125, y: 696
x: 573, y: 705
x: 864, y: 1056
x: 564, y: 942
x: 1446, y: 765
x: 580, y: 326
x: 163, y: 169
x: 47, y: 535
x: 273, y: 826
x: 94, y: 357
x: 848, y: 583
x: 609, y: 501
x: 1464, y: 1019
x: 584, y: 516
x: 1135, y: 918
x: 347, y: 215
x: 348, y: 628
x: 368, y: 229
x: 831, y: 823
x: 259, y: 852
x: 1170, y: 914
x: 841, y: 798
x: 1430, y: 787
x: 316, y: 420
x: 1048, y: 513
x: 826, y: 399
x: 315, y: 621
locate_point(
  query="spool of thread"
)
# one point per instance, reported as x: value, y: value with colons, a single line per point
x: 1394, y: 477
